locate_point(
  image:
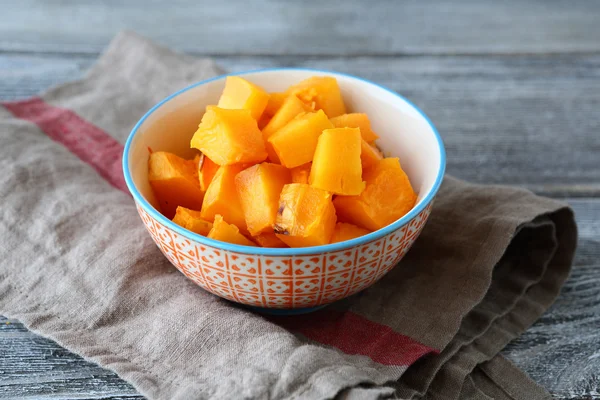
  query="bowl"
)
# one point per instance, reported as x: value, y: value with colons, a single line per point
x: 288, y: 278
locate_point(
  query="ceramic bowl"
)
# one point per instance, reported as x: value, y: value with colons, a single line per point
x: 290, y: 278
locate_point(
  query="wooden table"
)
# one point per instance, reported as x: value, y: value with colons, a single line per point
x: 513, y: 87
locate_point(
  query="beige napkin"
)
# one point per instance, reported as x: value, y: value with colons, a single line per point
x: 78, y: 267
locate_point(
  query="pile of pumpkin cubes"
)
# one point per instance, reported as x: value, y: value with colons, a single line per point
x: 281, y: 169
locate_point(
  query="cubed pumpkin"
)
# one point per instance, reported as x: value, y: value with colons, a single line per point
x: 323, y: 91
x: 344, y: 231
x: 174, y: 182
x: 241, y: 94
x: 388, y: 196
x: 268, y: 240
x: 275, y: 101
x: 258, y: 189
x: 221, y: 197
x: 206, y: 171
x: 306, y: 216
x: 356, y: 120
x: 300, y: 173
x: 369, y: 154
x: 229, y: 137
x: 336, y: 165
x: 229, y: 233
x: 295, y: 143
x: 192, y: 221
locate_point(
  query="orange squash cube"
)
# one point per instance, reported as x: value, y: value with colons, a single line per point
x: 268, y: 240
x: 356, y: 120
x: 229, y: 137
x: 263, y: 121
x: 336, y: 165
x: 306, y: 216
x: 258, y: 189
x: 300, y: 174
x: 222, y: 198
x: 296, y: 142
x: 344, y: 231
x: 369, y: 154
x: 206, y: 171
x: 241, y: 94
x: 323, y: 91
x: 229, y: 233
x: 387, y: 197
x: 174, y: 182
x: 192, y: 221
x: 275, y: 101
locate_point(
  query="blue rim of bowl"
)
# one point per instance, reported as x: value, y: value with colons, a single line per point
x: 267, y: 251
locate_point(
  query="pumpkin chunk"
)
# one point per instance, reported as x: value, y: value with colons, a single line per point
x: 275, y: 101
x: 174, y: 182
x: 192, y: 221
x: 241, y: 94
x: 206, y: 171
x: 356, y: 120
x: 369, y: 154
x: 268, y: 240
x: 222, y: 198
x: 306, y: 216
x: 300, y: 174
x: 387, y: 197
x: 229, y: 137
x: 289, y: 109
x: 230, y: 233
x: 336, y: 165
x: 296, y: 142
x: 344, y: 231
x: 258, y: 188
x: 323, y: 91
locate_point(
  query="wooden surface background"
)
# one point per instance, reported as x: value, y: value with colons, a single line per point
x: 513, y: 87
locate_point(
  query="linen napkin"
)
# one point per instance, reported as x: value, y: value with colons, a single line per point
x: 77, y: 266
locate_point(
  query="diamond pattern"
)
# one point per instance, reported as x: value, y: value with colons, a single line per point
x: 285, y: 282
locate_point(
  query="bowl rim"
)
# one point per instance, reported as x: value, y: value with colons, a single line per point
x: 270, y: 251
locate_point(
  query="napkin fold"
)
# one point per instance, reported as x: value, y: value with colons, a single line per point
x: 78, y: 267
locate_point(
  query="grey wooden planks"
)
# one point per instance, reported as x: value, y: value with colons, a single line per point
x: 526, y: 120
x: 561, y: 351
x: 310, y: 27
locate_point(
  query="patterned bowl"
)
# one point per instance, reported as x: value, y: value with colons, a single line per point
x: 290, y: 278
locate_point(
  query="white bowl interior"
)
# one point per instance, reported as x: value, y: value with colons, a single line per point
x: 403, y: 131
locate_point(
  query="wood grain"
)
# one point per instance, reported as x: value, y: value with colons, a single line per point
x: 529, y: 120
x: 561, y: 351
x: 309, y: 27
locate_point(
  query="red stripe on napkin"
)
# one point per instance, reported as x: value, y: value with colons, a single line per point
x: 88, y: 142
x: 347, y: 331
x: 354, y: 334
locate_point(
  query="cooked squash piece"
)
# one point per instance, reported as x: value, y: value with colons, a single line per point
x: 296, y: 142
x: 289, y: 109
x: 369, y: 154
x: 241, y: 94
x: 230, y: 233
x: 356, y: 120
x: 344, y: 231
x: 268, y: 240
x: 263, y: 121
x: 221, y: 197
x: 275, y: 101
x: 323, y: 91
x: 306, y: 216
x: 229, y: 137
x: 174, y: 182
x: 300, y: 174
x: 258, y: 189
x: 336, y: 165
x: 387, y: 197
x: 192, y: 221
x: 206, y: 171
